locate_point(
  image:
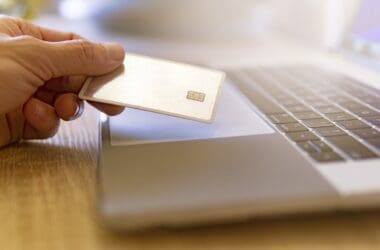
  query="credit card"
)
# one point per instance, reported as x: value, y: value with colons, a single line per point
x: 161, y: 86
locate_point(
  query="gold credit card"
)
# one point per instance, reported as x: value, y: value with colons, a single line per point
x: 160, y: 86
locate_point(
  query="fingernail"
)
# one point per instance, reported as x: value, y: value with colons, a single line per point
x: 39, y: 110
x: 76, y: 114
x: 78, y: 111
x: 115, y: 51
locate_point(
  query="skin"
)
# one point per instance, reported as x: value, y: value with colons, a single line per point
x: 41, y: 73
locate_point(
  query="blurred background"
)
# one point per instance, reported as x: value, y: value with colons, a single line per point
x: 313, y: 22
x: 316, y: 21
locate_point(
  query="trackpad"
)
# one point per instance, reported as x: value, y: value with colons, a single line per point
x: 234, y: 117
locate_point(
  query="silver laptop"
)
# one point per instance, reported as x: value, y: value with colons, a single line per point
x: 297, y: 130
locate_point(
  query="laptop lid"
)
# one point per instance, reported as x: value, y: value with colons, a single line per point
x: 364, y: 34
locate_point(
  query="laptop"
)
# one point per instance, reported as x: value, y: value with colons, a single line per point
x: 296, y: 131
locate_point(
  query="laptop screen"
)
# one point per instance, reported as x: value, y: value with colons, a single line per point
x: 366, y: 26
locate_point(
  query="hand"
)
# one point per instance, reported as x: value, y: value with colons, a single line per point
x: 41, y: 72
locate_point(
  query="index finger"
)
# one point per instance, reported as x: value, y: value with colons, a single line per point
x: 47, y: 34
x: 52, y: 35
x: 42, y: 33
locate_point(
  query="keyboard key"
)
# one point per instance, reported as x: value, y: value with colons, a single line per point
x: 326, y: 157
x: 302, y: 92
x: 340, y: 117
x: 317, y: 123
x: 307, y: 115
x: 311, y: 97
x: 297, y: 108
x: 373, y: 120
x: 289, y: 101
x: 275, y: 90
x: 319, y: 103
x: 326, y: 91
x: 369, y: 89
x: 353, y: 124
x: 374, y: 142
x: 277, y: 94
x: 358, y: 93
x: 262, y: 102
x: 330, y: 131
x: 292, y: 127
x: 322, y: 146
x: 349, y: 88
x: 257, y: 76
x: 370, y: 99
x: 375, y: 105
x: 329, y: 110
x: 352, y: 147
x: 282, y: 118
x: 339, y: 98
x: 352, y: 105
x: 365, y: 112
x: 314, y: 146
x: 366, y: 133
x: 302, y: 136
x: 268, y: 107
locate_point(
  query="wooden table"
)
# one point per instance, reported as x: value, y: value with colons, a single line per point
x: 48, y: 201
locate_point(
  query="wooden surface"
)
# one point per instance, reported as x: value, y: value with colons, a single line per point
x: 48, y: 196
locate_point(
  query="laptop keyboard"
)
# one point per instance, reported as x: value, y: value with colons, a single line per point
x: 329, y: 116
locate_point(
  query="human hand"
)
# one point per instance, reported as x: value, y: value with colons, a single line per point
x: 41, y: 73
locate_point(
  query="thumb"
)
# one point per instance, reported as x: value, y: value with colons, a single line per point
x: 82, y: 57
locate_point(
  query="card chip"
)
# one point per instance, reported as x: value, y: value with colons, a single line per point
x: 196, y: 96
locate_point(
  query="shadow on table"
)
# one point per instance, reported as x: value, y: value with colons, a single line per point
x: 349, y: 230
